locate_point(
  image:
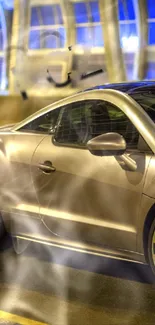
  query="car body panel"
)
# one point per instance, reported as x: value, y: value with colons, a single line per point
x: 149, y: 188
x: 146, y: 204
x: 90, y: 203
x: 7, y: 127
x: 55, y: 241
x: 127, y: 87
x: 17, y: 192
x: 89, y: 197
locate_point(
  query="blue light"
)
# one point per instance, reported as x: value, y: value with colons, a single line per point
x: 34, y: 39
x: 150, y: 74
x: 126, y: 10
x: 47, y: 14
x: 34, y: 17
x: 129, y: 71
x: 80, y: 12
x: 151, y: 8
x: 82, y: 36
x: 7, y: 4
x: 51, y: 42
x: 95, y: 11
x: 59, y: 13
x: 151, y: 33
x: 129, y: 37
x: 98, y: 36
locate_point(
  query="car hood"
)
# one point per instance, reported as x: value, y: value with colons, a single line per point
x: 6, y: 127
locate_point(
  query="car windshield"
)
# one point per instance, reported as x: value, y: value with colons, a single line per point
x: 147, y: 101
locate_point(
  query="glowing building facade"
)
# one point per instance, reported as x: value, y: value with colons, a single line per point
x: 115, y: 35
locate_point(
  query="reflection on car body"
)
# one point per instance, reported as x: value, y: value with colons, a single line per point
x: 80, y: 174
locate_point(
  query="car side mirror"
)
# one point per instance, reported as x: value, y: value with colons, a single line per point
x: 108, y: 144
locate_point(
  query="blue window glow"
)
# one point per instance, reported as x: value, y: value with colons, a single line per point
x: 57, y: 40
x: 126, y: 10
x: 8, y: 4
x: 47, y: 14
x: 83, y: 36
x: 129, y: 71
x: 88, y: 13
x: 62, y: 33
x: 47, y: 39
x: 98, y: 36
x: 1, y: 40
x: 1, y: 65
x: 80, y: 12
x: 50, y: 41
x: 150, y: 74
x: 128, y: 37
x: 151, y: 8
x: 34, y: 17
x: 34, y: 39
x: 128, y: 30
x: 59, y: 14
x: 151, y: 27
x: 90, y: 36
x: 95, y: 11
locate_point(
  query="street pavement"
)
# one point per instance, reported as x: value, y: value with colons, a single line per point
x: 53, y: 286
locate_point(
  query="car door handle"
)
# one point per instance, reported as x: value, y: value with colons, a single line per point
x: 47, y: 167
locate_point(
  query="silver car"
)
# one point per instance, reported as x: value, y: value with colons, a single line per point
x: 80, y: 174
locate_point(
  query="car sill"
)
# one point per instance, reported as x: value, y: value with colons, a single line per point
x: 87, y: 249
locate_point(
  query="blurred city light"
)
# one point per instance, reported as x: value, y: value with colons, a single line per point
x: 130, y: 43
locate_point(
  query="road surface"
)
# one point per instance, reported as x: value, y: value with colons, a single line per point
x: 59, y: 287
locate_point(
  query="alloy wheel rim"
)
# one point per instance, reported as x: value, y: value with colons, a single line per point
x: 153, y: 247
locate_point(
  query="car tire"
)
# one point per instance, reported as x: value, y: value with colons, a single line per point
x: 20, y: 245
x: 151, y: 247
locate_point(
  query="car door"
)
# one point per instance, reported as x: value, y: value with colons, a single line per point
x: 18, y: 195
x: 87, y: 198
x: 19, y: 204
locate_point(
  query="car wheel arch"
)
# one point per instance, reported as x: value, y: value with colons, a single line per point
x: 147, y: 225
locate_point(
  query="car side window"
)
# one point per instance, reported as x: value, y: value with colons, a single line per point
x: 85, y: 120
x: 74, y: 123
x: 43, y: 124
x: 106, y: 117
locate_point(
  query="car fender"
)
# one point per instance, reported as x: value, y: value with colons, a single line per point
x: 146, y: 206
x: 149, y: 186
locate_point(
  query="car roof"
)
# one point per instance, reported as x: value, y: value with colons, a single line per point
x: 128, y: 87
